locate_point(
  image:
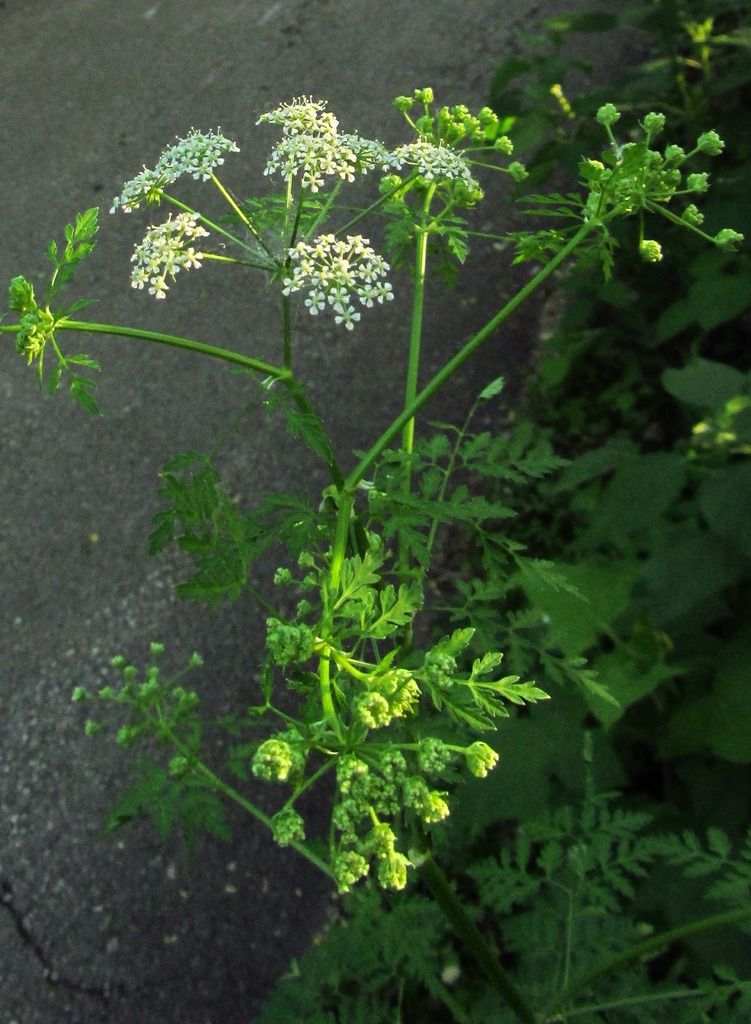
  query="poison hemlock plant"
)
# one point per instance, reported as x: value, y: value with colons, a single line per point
x: 384, y: 708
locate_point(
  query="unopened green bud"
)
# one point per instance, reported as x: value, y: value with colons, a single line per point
x: 178, y: 766
x: 273, y: 761
x: 504, y: 145
x: 156, y: 648
x: 288, y: 827
x: 424, y: 95
x: 728, y: 240
x: 380, y: 840
x: 697, y: 182
x: 126, y: 734
x: 675, y: 154
x: 118, y: 661
x: 79, y: 694
x: 348, y: 768
x: 105, y: 693
x: 650, y: 251
x: 429, y: 805
x: 654, y: 123
x: 195, y: 660
x: 608, y: 114
x: 404, y: 103
x: 434, y: 808
x: 91, y: 728
x: 480, y: 758
x: 288, y: 642
x: 693, y: 215
x: 517, y: 171
x: 433, y: 755
x: 373, y: 710
x: 349, y: 868
x: 710, y: 143
x: 283, y: 576
x: 392, y: 871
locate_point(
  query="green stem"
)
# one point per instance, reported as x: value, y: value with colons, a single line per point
x: 221, y: 786
x: 346, y: 500
x: 378, y: 202
x: 642, y: 949
x: 287, y: 333
x: 244, y: 218
x: 657, y: 997
x: 413, y: 363
x: 215, y: 227
x: 463, y: 355
x: 233, y: 259
x: 227, y: 355
x: 232, y: 794
x: 325, y: 209
x: 471, y: 936
x: 415, y: 336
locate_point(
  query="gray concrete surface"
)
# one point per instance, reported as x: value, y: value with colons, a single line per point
x: 125, y: 930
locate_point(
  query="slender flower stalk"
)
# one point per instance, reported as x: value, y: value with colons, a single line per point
x: 450, y: 368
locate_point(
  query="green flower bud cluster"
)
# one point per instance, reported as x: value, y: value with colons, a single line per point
x: 433, y: 756
x: 480, y: 758
x: 448, y: 129
x: 156, y: 708
x: 288, y: 643
x: 36, y: 324
x: 650, y: 251
x: 440, y: 669
x: 428, y: 804
x: 636, y: 178
x: 288, y: 827
x: 279, y: 758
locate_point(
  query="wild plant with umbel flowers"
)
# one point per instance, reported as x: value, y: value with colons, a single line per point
x: 396, y: 725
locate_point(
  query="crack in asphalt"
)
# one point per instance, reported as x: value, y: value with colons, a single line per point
x: 53, y: 977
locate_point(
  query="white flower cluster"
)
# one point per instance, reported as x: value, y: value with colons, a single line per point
x: 434, y: 162
x: 197, y: 154
x: 163, y: 253
x: 303, y: 116
x: 332, y: 270
x: 312, y: 146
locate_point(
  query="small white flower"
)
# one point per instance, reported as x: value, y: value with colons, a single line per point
x: 303, y: 115
x: 312, y: 147
x: 335, y: 271
x: 163, y: 253
x: 197, y: 154
x: 434, y: 162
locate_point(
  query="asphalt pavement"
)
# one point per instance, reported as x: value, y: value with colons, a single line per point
x: 127, y: 929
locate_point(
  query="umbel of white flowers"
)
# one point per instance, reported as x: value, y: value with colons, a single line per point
x: 332, y: 272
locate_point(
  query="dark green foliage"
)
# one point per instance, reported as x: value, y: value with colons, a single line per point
x: 558, y: 898
x: 222, y: 541
x: 171, y: 803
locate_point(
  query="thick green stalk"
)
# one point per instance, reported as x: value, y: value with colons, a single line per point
x: 463, y: 355
x: 642, y: 949
x: 287, y: 333
x: 346, y: 500
x: 413, y: 362
x: 472, y: 939
x: 227, y: 355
